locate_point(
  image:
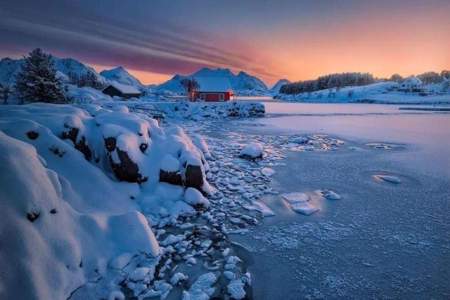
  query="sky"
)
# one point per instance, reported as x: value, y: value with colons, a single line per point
x: 291, y: 39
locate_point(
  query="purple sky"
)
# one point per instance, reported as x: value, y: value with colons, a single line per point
x: 271, y: 39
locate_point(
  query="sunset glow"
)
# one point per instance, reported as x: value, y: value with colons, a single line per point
x: 296, y: 40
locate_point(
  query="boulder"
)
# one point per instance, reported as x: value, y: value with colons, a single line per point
x: 81, y: 145
x: 252, y: 151
x: 170, y: 177
x: 125, y: 169
x: 193, y: 177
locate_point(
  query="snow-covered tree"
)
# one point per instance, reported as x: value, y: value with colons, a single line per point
x: 37, y: 80
x: 5, y: 91
x: 87, y: 79
x: 396, y: 78
x: 430, y: 77
x: 328, y: 82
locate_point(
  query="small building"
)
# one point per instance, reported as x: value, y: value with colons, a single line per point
x: 212, y: 89
x: 122, y: 90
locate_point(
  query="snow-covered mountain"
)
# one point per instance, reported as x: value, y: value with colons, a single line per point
x: 68, y: 69
x: 121, y: 75
x: 73, y: 68
x: 242, y: 83
x: 277, y: 86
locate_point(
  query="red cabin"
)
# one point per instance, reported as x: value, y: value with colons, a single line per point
x: 212, y: 89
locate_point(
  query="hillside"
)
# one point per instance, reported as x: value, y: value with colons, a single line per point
x: 121, y: 75
x: 277, y: 86
x: 388, y: 92
x: 68, y: 69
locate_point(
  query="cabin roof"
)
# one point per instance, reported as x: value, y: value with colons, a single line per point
x: 125, y: 89
x: 213, y: 84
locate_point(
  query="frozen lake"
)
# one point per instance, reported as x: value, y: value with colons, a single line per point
x: 382, y: 239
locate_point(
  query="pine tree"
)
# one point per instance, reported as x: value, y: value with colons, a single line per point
x: 37, y: 81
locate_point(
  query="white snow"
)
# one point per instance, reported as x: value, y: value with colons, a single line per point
x: 202, y: 288
x: 388, y: 178
x: 261, y: 207
x: 116, y: 295
x: 121, y: 261
x: 194, y: 197
x: 124, y: 88
x: 66, y: 214
x: 121, y: 76
x: 381, y: 92
x: 252, y: 150
x: 236, y: 289
x: 141, y: 273
x: 300, y: 202
x: 50, y: 248
x: 267, y: 171
x: 331, y: 195
x: 170, y: 164
x: 177, y: 278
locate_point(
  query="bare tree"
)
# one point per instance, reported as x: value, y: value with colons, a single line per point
x: 190, y: 86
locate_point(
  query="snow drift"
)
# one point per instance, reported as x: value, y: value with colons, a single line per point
x: 73, y: 184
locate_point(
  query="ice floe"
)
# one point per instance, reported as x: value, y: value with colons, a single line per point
x: 387, y: 178
x: 300, y: 203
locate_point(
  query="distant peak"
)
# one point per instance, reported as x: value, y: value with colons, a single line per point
x: 119, y: 69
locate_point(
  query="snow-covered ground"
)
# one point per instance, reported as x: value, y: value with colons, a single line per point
x: 382, y: 92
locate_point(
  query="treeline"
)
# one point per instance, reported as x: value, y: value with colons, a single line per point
x: 337, y: 80
x: 88, y: 79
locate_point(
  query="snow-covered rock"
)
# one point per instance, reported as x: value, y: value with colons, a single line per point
x: 66, y: 214
x: 202, y: 288
x: 330, y: 195
x: 236, y: 289
x: 300, y: 203
x: 252, y: 151
x: 50, y: 248
x: 195, y: 198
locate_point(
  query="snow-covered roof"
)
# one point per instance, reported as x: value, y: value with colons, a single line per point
x: 213, y: 84
x: 125, y: 89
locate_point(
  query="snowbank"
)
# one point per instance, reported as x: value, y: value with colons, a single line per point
x: 73, y: 183
x: 387, y: 92
x: 50, y: 248
x: 201, y: 110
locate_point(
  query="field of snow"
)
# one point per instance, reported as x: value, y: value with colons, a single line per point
x: 381, y: 93
x: 75, y: 184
